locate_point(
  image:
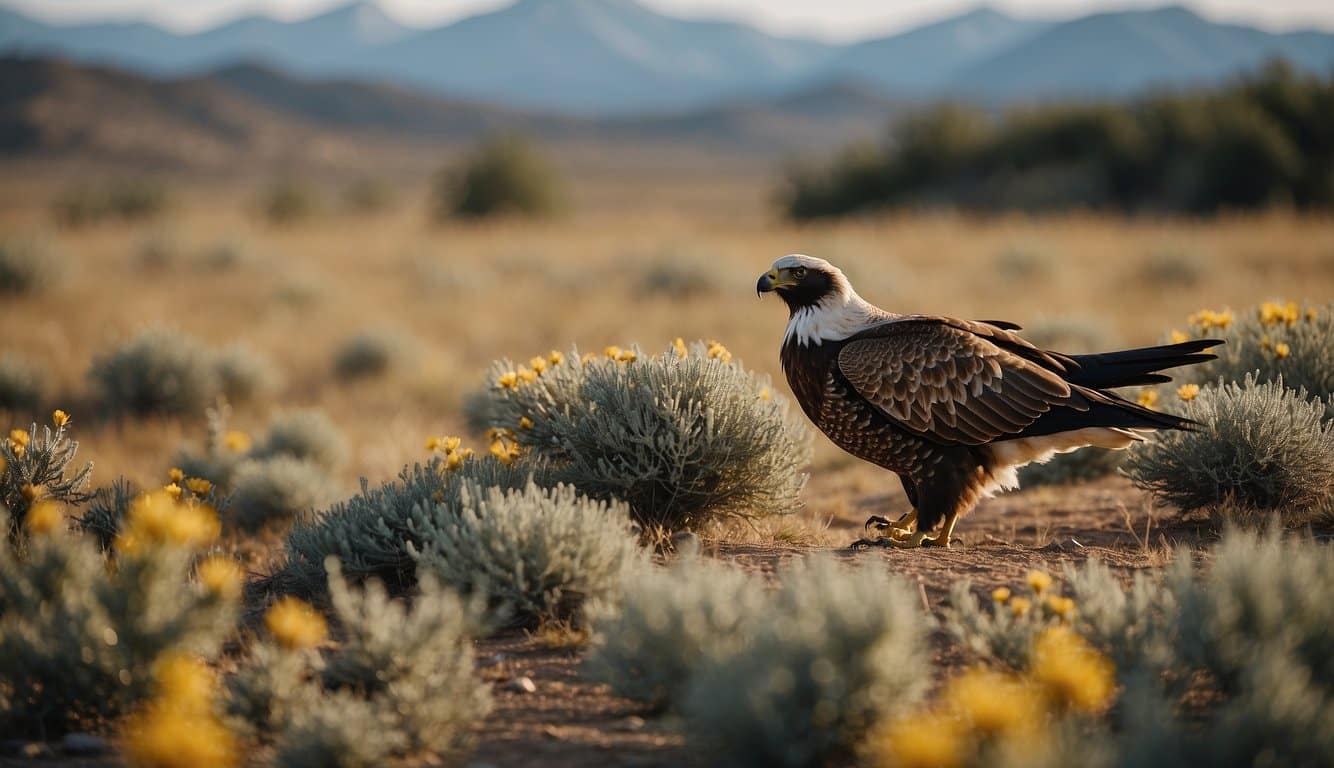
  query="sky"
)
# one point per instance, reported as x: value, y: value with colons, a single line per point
x: 830, y: 19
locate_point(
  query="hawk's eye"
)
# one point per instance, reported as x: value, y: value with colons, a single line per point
x: 799, y: 272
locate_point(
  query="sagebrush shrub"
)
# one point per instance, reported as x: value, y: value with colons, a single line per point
x: 371, y: 532
x: 37, y: 465
x: 243, y: 375
x: 336, y: 731
x: 157, y: 372
x: 1277, y: 340
x: 287, y: 202
x: 106, y: 513
x: 126, y: 198
x: 307, y: 435
x: 272, y: 493
x: 1070, y: 334
x: 20, y: 385
x: 78, y: 639
x: 373, y: 353
x: 503, y: 176
x: 1259, y: 445
x: 534, y: 553
x: 685, y: 438
x: 1077, y: 466
x: 664, y: 623
x: 28, y: 267
x: 838, y: 649
x: 679, y: 275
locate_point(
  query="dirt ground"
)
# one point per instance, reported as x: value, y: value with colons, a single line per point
x: 569, y: 722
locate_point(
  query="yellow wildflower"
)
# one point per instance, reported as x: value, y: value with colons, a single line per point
x: 294, y: 624
x: 1001, y: 595
x: 450, y: 444
x: 1310, y: 315
x: 526, y: 375
x: 199, y: 486
x: 221, y: 576
x: 1059, y: 606
x: 1147, y: 398
x: 19, y: 438
x: 1072, y: 673
x: 1019, y: 606
x: 157, y: 518
x: 922, y: 740
x: 627, y: 356
x: 555, y: 358
x: 1282, y: 350
x: 1273, y: 313
x: 611, y: 351
x: 525, y: 422
x: 1038, y: 581
x: 587, y: 358
x: 43, y: 517
x: 18, y: 451
x: 1208, y: 318
x: 1188, y: 392
x: 765, y: 394
x: 1178, y: 337
x: 178, y: 727
x: 31, y: 491
x: 505, y: 452
x: 508, y: 380
x: 176, y: 475
x: 432, y: 443
x: 993, y: 703
x: 236, y: 441
x: 718, y: 352
x: 538, y: 364
x: 453, y: 461
x: 173, y: 490
x: 59, y: 418
x: 679, y: 344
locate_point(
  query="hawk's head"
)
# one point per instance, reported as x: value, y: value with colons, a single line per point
x: 805, y: 281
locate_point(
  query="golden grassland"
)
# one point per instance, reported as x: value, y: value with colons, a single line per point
x: 465, y: 294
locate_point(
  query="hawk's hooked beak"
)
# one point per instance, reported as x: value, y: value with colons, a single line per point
x: 772, y: 281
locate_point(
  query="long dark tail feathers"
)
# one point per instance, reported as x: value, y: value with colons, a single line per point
x: 1138, y: 367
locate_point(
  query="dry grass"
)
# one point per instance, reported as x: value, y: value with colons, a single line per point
x: 517, y: 290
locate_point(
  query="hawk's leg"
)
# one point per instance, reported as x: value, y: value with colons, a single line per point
x: 903, y: 526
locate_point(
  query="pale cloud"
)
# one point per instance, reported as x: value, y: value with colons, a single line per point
x: 835, y: 19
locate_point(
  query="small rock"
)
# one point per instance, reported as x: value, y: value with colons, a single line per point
x: 631, y: 723
x: 522, y: 685
x: 84, y: 744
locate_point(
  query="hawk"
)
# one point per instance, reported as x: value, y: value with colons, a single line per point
x: 953, y: 407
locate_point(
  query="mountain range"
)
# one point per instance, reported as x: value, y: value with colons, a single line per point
x: 618, y: 57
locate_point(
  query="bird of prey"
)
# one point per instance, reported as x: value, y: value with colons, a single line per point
x: 954, y: 407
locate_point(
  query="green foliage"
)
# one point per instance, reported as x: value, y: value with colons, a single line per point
x: 536, y: 553
x: 1254, y: 142
x: 684, y: 440
x: 502, y: 177
x: 106, y: 514
x: 168, y: 373
x: 1259, y: 446
x: 78, y: 639
x: 371, y: 533
x: 28, y: 267
x: 20, y: 385
x: 401, y: 682
x: 373, y: 353
x: 125, y: 199
x: 1305, y: 361
x: 287, y: 202
x: 838, y: 649
x: 664, y: 623
x: 306, y: 435
x: 272, y: 493
x: 38, y: 465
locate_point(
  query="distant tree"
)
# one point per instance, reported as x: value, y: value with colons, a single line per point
x: 504, y: 176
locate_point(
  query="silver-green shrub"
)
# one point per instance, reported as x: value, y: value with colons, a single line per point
x: 28, y: 267
x: 78, y: 639
x: 272, y: 493
x: 1259, y: 445
x: 244, y: 375
x: 21, y: 389
x: 1274, y: 341
x: 157, y: 372
x: 41, y: 469
x: 305, y: 435
x: 678, y: 275
x: 1076, y: 466
x: 373, y: 353
x: 402, y: 681
x: 839, y: 649
x: 534, y: 553
x: 105, y: 515
x: 683, y: 439
x: 370, y: 533
x: 664, y: 623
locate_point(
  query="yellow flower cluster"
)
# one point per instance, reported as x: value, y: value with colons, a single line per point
x: 178, y: 727
x: 504, y: 445
x: 160, y: 518
x: 1147, y: 398
x: 1273, y: 313
x: 18, y: 442
x: 449, y: 448
x: 1072, y: 673
x: 679, y: 346
x: 1178, y: 337
x: 1206, y: 319
x: 527, y: 374
x: 718, y: 352
x: 295, y: 624
x: 221, y: 576
x: 59, y: 418
x: 1282, y: 350
x: 1188, y: 392
x: 44, y: 517
x: 1040, y: 584
x: 236, y: 441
